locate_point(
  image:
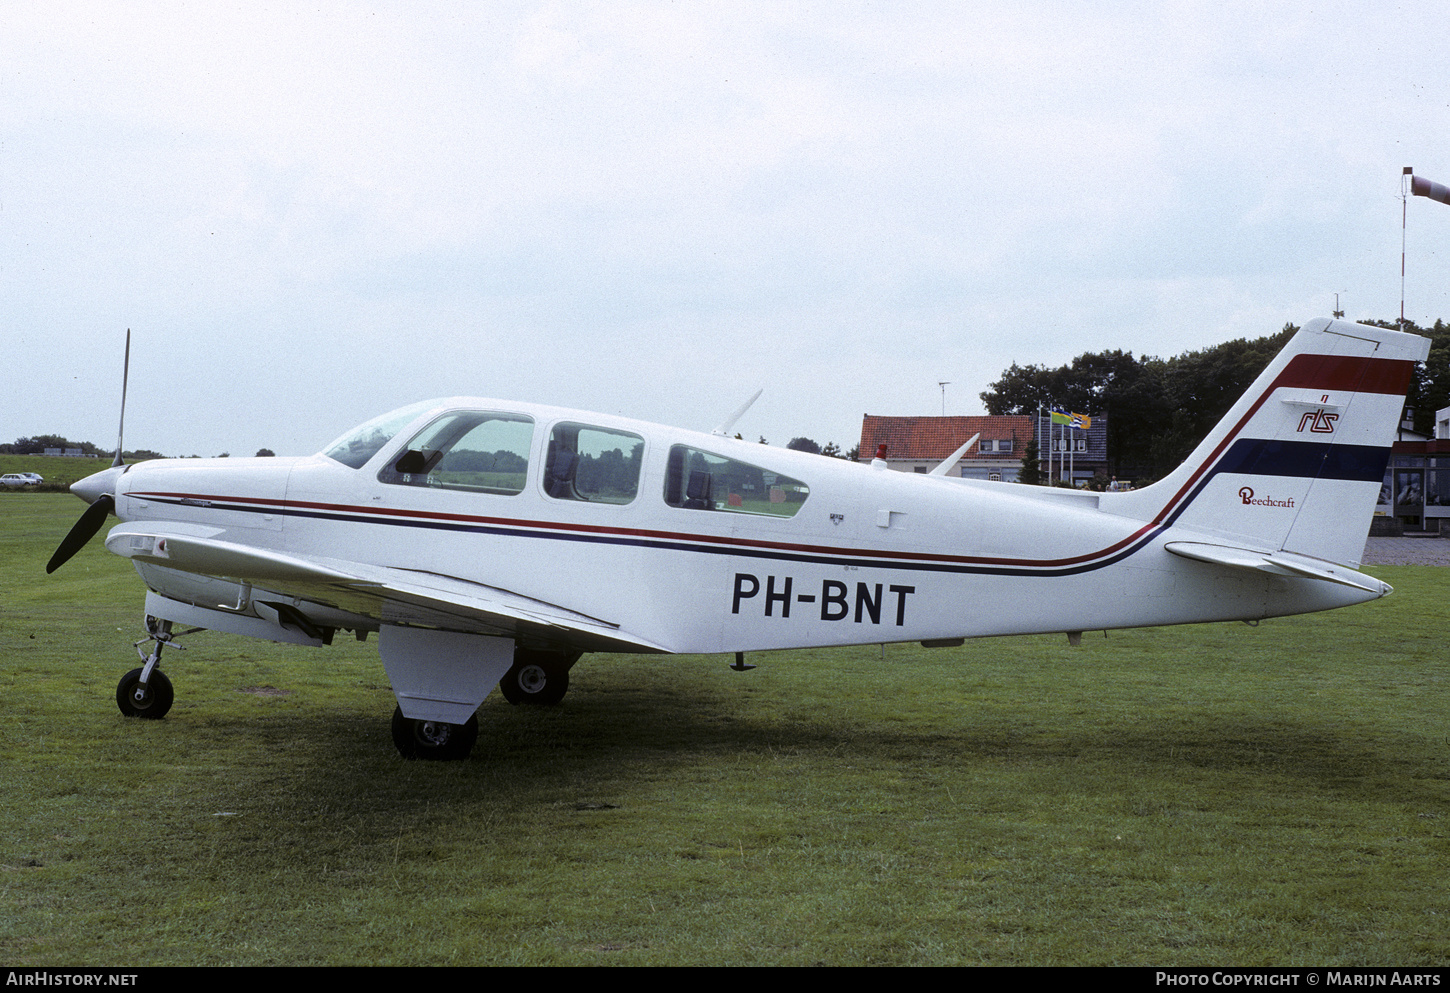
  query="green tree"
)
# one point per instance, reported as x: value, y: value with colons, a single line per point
x: 1031, y: 473
x: 1201, y: 386
x: 1430, y: 386
x: 1157, y: 410
x: 1434, y: 389
x: 1112, y: 384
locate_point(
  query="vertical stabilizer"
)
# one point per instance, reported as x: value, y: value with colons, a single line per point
x: 1297, y: 464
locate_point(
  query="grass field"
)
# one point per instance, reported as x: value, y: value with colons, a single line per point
x: 1217, y: 794
x: 59, y: 473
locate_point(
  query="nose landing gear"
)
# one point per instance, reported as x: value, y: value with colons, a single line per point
x: 146, y: 692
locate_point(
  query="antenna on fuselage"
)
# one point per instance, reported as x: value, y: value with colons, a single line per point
x: 724, y: 428
x: 951, y: 459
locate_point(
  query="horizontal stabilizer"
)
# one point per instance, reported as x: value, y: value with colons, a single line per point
x: 1278, y: 564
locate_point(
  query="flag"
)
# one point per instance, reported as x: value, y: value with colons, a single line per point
x: 1060, y: 416
x: 1082, y: 421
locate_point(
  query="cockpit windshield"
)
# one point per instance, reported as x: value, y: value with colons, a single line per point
x: 364, y: 441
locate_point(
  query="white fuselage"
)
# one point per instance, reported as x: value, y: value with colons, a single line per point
x: 871, y: 556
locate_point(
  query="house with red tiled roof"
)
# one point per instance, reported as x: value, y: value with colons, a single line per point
x: 919, y: 444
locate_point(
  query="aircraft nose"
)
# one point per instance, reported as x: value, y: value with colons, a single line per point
x: 98, y: 484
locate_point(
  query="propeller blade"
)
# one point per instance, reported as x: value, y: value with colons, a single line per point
x: 125, y: 378
x: 82, y: 531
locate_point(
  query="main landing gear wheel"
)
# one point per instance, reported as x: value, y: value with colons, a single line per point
x: 433, y: 740
x: 536, y: 680
x: 151, y: 701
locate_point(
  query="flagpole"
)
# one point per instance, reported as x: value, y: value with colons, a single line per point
x: 1051, y: 451
x: 1037, y: 436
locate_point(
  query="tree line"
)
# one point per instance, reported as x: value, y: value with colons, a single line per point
x: 1159, y: 409
x: 37, y: 445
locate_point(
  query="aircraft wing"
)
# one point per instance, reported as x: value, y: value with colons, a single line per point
x: 390, y: 595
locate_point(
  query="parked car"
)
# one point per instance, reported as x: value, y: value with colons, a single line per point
x: 16, y: 479
x: 34, y: 477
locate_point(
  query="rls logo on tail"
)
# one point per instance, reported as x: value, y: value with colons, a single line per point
x: 1318, y: 422
x: 1246, y: 494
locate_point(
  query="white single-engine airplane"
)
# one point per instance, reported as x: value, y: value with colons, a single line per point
x: 490, y: 542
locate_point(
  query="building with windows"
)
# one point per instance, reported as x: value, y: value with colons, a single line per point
x: 919, y: 444
x: 1415, y: 494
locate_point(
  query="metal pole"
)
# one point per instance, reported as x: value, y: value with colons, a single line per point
x: 1404, y: 200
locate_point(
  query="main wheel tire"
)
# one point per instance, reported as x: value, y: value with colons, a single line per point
x: 433, y: 740
x: 151, y: 701
x: 536, y: 682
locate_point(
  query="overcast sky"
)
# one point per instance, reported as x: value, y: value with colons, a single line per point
x: 309, y: 214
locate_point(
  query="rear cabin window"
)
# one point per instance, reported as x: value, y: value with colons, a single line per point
x: 592, y: 464
x: 475, y: 450
x: 697, y: 480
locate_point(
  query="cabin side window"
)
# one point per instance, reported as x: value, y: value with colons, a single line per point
x: 592, y: 464
x: 697, y: 480
x: 476, y: 450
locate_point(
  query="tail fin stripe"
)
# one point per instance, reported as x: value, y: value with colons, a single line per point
x: 1322, y: 372
x: 1352, y: 373
x: 1365, y: 463
x: 1346, y: 372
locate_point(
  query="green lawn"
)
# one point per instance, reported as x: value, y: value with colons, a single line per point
x: 1217, y: 794
x: 59, y: 473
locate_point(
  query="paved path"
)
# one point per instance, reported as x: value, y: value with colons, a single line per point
x: 1407, y: 551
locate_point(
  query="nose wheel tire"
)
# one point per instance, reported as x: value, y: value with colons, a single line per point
x: 151, y: 701
x: 433, y: 740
